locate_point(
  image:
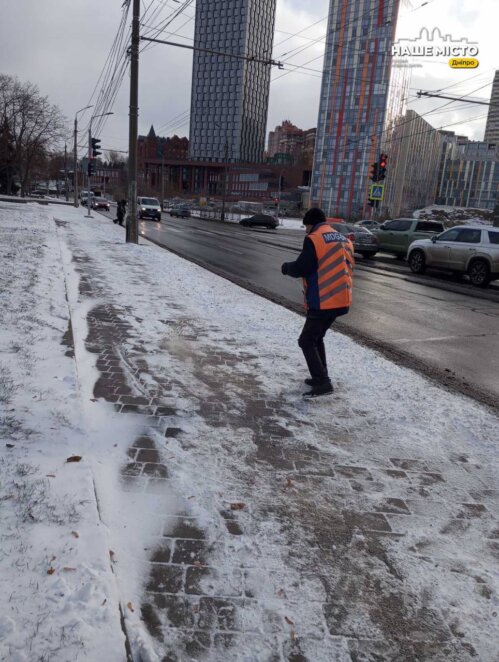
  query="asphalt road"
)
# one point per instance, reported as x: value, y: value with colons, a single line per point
x: 452, y: 336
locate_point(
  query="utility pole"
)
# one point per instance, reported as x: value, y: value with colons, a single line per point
x: 88, y: 214
x: 162, y: 178
x: 132, y: 226
x: 66, y: 171
x: 224, y: 197
x: 279, y: 198
x: 75, y: 163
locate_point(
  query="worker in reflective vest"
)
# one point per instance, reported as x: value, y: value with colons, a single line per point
x: 326, y: 266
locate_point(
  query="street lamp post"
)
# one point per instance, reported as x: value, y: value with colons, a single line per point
x: 88, y: 214
x: 75, y: 155
x: 224, y: 197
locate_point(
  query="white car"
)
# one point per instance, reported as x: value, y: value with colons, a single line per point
x: 149, y: 208
x: 464, y: 249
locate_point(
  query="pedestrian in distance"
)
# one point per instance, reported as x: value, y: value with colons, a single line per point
x: 326, y: 266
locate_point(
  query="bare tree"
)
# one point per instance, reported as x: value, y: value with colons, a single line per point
x: 115, y: 158
x: 35, y: 127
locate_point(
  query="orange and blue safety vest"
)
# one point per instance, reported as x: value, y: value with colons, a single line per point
x: 330, y: 286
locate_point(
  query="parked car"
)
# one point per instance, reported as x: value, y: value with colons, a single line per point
x: 100, y: 203
x: 260, y: 220
x: 369, y: 224
x: 396, y: 236
x: 464, y: 249
x: 180, y: 211
x: 149, y: 208
x: 364, y: 241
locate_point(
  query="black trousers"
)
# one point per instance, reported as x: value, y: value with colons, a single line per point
x: 311, y: 341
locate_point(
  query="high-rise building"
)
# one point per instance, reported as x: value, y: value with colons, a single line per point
x: 469, y: 175
x: 362, y: 96
x: 229, y: 100
x: 288, y: 139
x: 415, y: 148
x: 492, y: 126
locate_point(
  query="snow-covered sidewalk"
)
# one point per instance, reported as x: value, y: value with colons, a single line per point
x: 160, y: 475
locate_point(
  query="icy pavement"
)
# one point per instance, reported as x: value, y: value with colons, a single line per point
x: 213, y: 513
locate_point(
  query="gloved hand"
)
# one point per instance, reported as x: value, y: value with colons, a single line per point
x: 284, y: 269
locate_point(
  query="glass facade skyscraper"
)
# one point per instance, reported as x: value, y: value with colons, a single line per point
x: 362, y: 95
x: 229, y: 100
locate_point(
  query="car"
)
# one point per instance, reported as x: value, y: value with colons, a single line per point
x: 149, y: 208
x: 364, y: 241
x: 100, y: 203
x: 464, y: 249
x: 396, y: 236
x: 260, y: 220
x: 180, y: 211
x: 369, y: 224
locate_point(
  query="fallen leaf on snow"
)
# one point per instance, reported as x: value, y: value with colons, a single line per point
x: 191, y: 497
x: 130, y: 606
x: 10, y: 445
x: 288, y: 621
x: 198, y: 564
x: 289, y: 483
x: 75, y: 534
x: 237, y: 506
x: 50, y: 475
x: 50, y: 571
x: 104, y: 602
x: 68, y: 569
x: 111, y: 556
x: 280, y: 592
x: 93, y: 399
x: 74, y: 458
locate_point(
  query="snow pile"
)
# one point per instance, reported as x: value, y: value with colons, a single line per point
x: 454, y: 215
x: 57, y: 588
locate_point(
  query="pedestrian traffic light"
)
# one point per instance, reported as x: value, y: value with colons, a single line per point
x: 91, y: 168
x: 374, y: 173
x: 371, y: 203
x: 95, y: 147
x: 383, y: 159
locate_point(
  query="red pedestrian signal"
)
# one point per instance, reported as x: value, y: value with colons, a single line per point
x: 383, y: 160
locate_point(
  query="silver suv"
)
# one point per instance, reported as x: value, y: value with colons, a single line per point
x: 464, y: 249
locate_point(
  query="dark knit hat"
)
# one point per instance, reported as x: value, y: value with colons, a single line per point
x: 314, y: 216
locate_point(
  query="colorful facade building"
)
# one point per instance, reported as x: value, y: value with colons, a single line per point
x: 363, y: 97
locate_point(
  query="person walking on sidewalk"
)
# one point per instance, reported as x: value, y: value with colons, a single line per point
x: 326, y: 266
x: 120, y: 212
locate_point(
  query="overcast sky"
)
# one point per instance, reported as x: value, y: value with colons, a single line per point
x: 62, y: 47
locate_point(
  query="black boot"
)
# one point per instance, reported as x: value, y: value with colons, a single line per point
x: 318, y: 389
x: 310, y: 381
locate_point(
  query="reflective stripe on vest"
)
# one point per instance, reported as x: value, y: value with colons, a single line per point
x: 331, y: 285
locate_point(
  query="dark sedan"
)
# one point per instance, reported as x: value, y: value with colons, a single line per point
x: 260, y: 220
x: 364, y: 241
x: 100, y: 203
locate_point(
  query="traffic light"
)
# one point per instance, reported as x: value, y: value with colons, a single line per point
x: 371, y: 203
x: 91, y: 168
x: 95, y: 147
x: 383, y: 158
x: 374, y: 173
